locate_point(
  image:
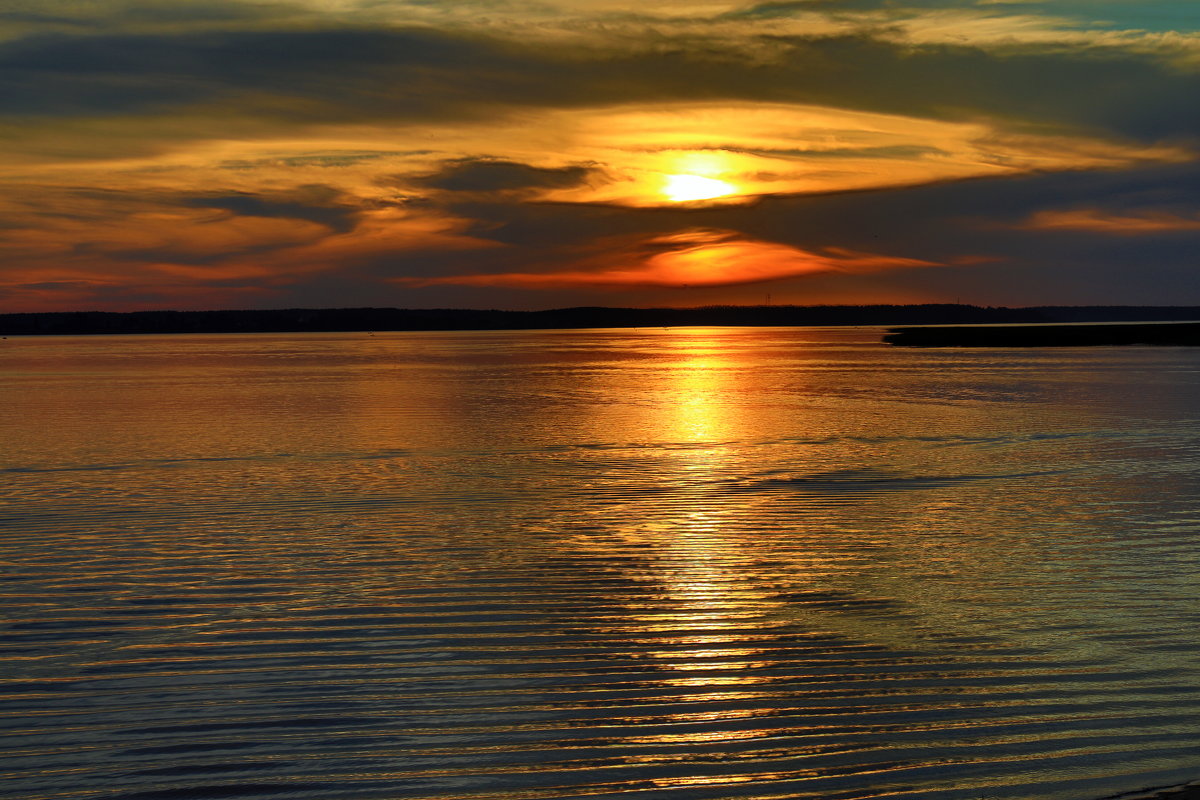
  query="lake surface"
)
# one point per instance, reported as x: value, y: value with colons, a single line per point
x: 657, y: 564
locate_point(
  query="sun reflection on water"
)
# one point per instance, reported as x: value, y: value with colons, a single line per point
x: 715, y: 610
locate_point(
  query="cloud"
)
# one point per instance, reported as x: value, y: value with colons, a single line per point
x: 324, y: 148
x: 1097, y: 220
x: 395, y: 74
x: 775, y: 148
x: 317, y: 203
x: 499, y: 175
x: 752, y: 31
x: 688, y: 258
x: 108, y: 16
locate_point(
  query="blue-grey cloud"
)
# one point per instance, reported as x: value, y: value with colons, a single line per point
x: 323, y: 205
x: 495, y: 175
x: 422, y: 74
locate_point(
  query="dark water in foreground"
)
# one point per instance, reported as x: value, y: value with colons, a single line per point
x: 661, y: 564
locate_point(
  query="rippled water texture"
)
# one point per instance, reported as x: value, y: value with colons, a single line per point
x: 655, y: 564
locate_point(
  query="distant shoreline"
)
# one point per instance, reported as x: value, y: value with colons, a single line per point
x: 1189, y: 791
x: 303, y: 320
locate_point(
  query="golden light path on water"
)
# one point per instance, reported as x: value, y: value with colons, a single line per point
x: 670, y: 564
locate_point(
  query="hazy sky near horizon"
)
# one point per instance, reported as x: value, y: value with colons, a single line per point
x: 513, y: 154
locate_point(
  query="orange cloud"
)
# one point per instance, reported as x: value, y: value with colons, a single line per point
x: 380, y: 233
x: 1098, y: 221
x: 96, y: 284
x: 691, y: 258
x: 82, y: 259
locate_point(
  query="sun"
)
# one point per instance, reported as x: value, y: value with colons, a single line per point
x: 687, y: 188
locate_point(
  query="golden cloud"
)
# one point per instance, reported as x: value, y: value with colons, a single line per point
x: 637, y: 154
x: 641, y: 153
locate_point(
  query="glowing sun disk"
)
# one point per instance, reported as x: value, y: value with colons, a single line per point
x: 684, y: 188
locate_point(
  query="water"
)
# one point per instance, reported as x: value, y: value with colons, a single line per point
x: 673, y: 564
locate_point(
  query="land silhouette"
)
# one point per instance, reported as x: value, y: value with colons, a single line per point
x: 298, y: 320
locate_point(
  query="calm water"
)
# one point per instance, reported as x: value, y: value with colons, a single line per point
x: 676, y: 564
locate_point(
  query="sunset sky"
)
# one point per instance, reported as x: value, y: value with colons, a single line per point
x: 196, y: 154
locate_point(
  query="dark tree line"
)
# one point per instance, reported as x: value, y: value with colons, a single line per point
x: 398, y: 319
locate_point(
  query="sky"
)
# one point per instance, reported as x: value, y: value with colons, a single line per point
x: 526, y: 154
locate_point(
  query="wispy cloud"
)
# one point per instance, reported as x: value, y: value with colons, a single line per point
x: 1096, y: 220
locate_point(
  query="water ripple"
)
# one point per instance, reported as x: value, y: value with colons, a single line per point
x: 723, y: 570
